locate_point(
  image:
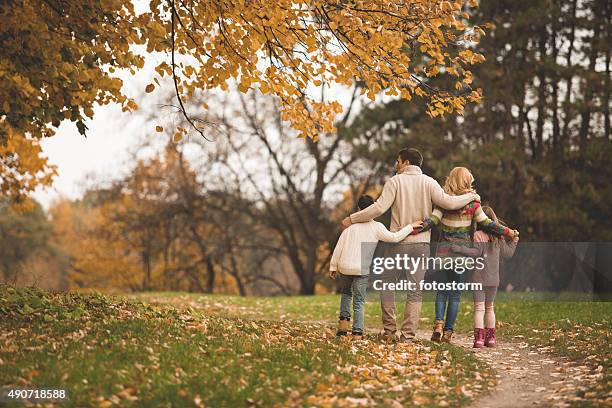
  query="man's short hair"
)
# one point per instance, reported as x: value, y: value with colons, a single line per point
x: 365, y: 201
x: 412, y: 155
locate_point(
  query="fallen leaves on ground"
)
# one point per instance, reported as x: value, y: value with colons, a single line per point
x: 112, y: 352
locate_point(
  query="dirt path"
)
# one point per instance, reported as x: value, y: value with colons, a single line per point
x: 528, y: 376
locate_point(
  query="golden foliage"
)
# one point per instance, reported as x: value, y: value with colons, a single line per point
x: 57, y: 61
x: 75, y: 50
x: 60, y: 59
x: 22, y: 167
x: 99, y: 258
x: 285, y: 47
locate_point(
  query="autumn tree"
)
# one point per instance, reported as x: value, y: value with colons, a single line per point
x: 158, y: 228
x: 99, y: 255
x: 61, y: 59
x: 250, y: 212
x: 58, y: 61
x: 282, y: 186
x: 285, y: 48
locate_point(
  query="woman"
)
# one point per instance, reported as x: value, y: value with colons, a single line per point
x: 456, y: 230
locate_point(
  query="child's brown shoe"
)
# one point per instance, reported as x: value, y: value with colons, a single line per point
x: 357, y: 335
x: 447, y: 336
x: 344, y: 325
x: 437, y: 331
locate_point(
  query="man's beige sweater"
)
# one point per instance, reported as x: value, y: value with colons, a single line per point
x: 410, y: 195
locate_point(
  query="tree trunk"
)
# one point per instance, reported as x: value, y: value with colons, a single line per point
x: 307, y: 286
x: 541, y: 104
x: 567, y: 104
x: 555, y: 82
x: 606, y: 99
x: 210, y: 276
x: 586, y: 107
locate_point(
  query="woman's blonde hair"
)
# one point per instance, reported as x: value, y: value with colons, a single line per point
x: 459, y: 181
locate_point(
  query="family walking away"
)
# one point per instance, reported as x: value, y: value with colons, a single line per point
x: 467, y: 230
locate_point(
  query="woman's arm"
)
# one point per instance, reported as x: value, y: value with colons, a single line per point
x: 434, y: 219
x: 507, y: 248
x: 489, y: 225
x: 446, y: 201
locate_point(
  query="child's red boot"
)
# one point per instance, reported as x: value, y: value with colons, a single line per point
x: 479, y: 338
x: 490, y: 339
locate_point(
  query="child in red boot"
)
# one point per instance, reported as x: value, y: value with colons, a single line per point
x: 492, y: 249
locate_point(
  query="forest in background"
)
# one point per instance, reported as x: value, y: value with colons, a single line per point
x: 257, y: 211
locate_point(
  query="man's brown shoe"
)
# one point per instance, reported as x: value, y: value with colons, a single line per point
x: 447, y: 336
x: 387, y: 337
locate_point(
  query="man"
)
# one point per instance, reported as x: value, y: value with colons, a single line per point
x: 410, y: 195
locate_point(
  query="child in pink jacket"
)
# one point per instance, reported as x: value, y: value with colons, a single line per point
x: 492, y: 248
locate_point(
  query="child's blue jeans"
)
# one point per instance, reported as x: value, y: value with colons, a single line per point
x: 353, y: 287
x: 448, y: 300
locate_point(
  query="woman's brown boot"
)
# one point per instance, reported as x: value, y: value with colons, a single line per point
x: 447, y: 336
x: 437, y: 331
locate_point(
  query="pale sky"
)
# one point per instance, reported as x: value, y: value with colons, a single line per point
x: 104, y: 152
x: 110, y: 134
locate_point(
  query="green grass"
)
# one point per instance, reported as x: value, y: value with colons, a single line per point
x: 126, y: 349
x: 579, y: 330
x: 115, y: 351
x: 519, y: 311
x: 178, y: 349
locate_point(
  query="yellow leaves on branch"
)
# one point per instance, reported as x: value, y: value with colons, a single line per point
x: 68, y: 64
x: 22, y: 167
x: 57, y: 62
x: 285, y: 47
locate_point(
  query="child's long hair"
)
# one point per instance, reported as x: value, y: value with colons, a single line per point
x: 459, y: 181
x: 491, y: 214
